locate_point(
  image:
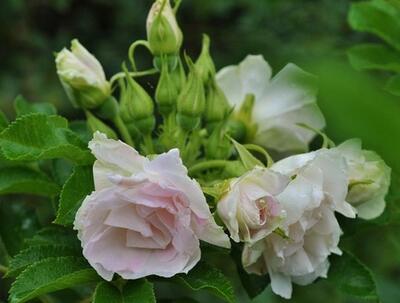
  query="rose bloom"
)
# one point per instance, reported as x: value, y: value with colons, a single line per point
x: 249, y: 209
x: 298, y: 252
x: 145, y: 217
x: 369, y: 179
x: 280, y: 102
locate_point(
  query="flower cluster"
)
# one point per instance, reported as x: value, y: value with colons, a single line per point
x: 190, y: 151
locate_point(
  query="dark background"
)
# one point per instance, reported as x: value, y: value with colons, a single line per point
x: 311, y: 33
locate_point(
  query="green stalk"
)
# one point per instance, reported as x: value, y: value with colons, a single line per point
x: 123, y: 130
x: 207, y: 165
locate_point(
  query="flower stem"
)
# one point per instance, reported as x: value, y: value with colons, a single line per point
x: 123, y: 130
x: 131, y: 52
x: 121, y: 75
x: 207, y: 165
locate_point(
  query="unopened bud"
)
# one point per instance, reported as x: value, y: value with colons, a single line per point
x: 218, y: 145
x: 217, y: 106
x: 178, y: 76
x: 191, y: 101
x: 82, y: 77
x: 204, y: 63
x: 166, y: 92
x: 163, y: 33
x: 136, y: 105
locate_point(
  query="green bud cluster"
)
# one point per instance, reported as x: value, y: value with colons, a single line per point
x: 186, y: 109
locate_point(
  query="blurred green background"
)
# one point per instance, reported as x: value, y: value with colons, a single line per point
x: 311, y: 33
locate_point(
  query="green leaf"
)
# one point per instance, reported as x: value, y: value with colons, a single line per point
x: 50, y: 275
x: 23, y: 107
x: 18, y: 221
x: 378, y: 17
x: 55, y: 235
x: 374, y: 56
x: 37, y: 136
x: 38, y: 253
x: 3, y: 121
x: 248, y: 160
x: 80, y: 127
x: 393, y: 85
x: 26, y: 181
x: 137, y: 291
x: 205, y: 277
x: 253, y: 284
x: 77, y: 187
x: 352, y: 277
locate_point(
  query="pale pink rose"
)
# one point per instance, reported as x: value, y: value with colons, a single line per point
x: 145, y: 217
x: 250, y: 209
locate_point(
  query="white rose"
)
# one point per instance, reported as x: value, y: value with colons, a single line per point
x: 280, y: 103
x: 369, y: 179
x: 318, y: 188
x: 249, y: 209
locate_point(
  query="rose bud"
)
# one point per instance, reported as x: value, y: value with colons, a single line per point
x: 163, y: 33
x: 82, y: 77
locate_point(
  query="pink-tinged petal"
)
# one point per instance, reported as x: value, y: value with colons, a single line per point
x: 169, y: 172
x: 137, y: 240
x: 137, y: 197
x: 127, y: 217
x: 113, y: 157
x: 212, y: 233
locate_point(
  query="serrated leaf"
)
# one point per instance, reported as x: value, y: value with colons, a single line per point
x: 50, y: 275
x: 352, y: 277
x: 26, y: 181
x: 23, y: 107
x: 37, y: 136
x: 77, y: 187
x: 137, y: 291
x: 3, y: 121
x: 393, y: 85
x: 374, y: 56
x: 205, y: 277
x: 38, y: 253
x: 55, y: 235
x: 378, y: 17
